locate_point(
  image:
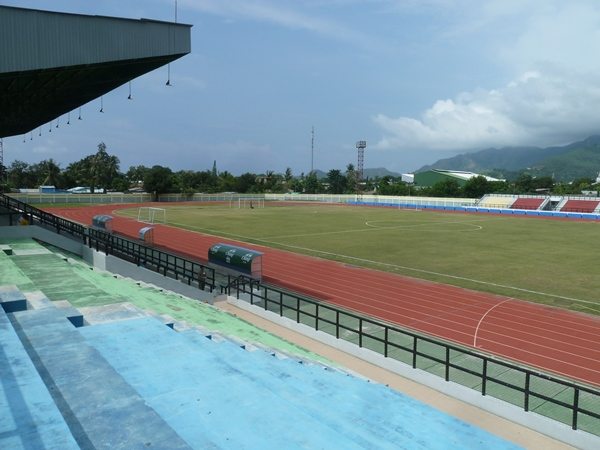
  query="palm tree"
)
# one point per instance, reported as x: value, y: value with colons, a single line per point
x: 52, y: 173
x: 112, y: 169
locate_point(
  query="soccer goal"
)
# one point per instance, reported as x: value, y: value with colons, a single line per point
x: 251, y: 203
x: 414, y: 207
x: 148, y: 214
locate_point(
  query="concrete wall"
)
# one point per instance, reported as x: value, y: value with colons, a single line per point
x: 106, y: 262
x: 35, y: 232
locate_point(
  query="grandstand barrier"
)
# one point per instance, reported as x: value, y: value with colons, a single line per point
x: 570, y: 403
x: 160, y: 261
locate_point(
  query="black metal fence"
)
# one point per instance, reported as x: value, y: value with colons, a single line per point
x: 160, y: 261
x: 570, y: 403
x: 39, y: 217
x: 163, y: 262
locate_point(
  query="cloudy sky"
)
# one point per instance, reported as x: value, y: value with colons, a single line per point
x: 418, y: 80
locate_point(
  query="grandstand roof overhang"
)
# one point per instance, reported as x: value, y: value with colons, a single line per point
x: 52, y: 63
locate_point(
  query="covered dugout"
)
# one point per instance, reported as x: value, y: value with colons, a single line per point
x: 237, y: 260
x: 103, y: 222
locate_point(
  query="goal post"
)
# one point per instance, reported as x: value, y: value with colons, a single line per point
x: 251, y: 203
x: 149, y: 214
x: 407, y: 207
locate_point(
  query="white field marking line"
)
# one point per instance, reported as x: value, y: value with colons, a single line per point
x: 394, y: 266
x: 375, y: 228
x: 405, y: 227
x: 483, y: 317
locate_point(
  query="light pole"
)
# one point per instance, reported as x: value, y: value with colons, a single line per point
x: 360, y: 145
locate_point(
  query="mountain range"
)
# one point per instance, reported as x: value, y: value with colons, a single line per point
x: 567, y: 163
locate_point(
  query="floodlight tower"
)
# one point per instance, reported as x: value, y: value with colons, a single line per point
x: 360, y: 145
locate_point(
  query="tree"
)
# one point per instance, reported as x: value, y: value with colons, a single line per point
x: 311, y: 184
x: 337, y: 182
x: 53, y: 176
x: 159, y: 180
x: 225, y: 182
x: 476, y: 187
x: 288, y: 180
x: 112, y: 170
x: 245, y: 183
x: 18, y: 174
x: 524, y: 184
x: 351, y: 179
x: 446, y: 188
x: 136, y: 174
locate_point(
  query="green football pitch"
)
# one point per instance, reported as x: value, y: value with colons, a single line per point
x: 537, y: 259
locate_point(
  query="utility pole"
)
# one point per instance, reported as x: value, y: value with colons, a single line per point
x: 312, y: 149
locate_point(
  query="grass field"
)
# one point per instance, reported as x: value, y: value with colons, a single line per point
x: 543, y: 260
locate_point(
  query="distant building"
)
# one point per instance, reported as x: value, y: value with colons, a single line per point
x: 430, y: 177
x: 408, y: 177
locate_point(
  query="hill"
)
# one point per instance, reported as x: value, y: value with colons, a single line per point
x: 565, y: 163
x: 379, y: 172
x: 367, y: 173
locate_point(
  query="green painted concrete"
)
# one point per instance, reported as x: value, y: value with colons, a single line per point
x: 45, y: 269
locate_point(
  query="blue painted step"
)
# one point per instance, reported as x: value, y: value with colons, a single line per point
x: 240, y: 405
x: 101, y: 409
x: 29, y: 416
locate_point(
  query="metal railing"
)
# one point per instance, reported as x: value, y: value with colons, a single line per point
x: 573, y: 404
x: 160, y: 261
x: 39, y: 217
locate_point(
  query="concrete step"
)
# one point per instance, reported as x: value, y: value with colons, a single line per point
x: 30, y: 417
x: 100, y: 407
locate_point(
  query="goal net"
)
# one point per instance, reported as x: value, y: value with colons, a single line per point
x: 251, y: 203
x: 414, y: 207
x: 148, y: 214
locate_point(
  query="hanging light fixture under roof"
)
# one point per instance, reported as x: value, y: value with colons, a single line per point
x: 168, y: 83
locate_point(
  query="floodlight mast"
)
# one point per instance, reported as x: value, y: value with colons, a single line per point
x: 360, y: 145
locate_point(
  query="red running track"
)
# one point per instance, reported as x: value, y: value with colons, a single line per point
x: 563, y: 342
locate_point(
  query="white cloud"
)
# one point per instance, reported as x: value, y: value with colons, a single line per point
x: 540, y: 108
x: 552, y: 99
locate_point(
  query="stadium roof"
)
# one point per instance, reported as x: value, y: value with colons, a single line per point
x: 463, y: 175
x: 52, y: 63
